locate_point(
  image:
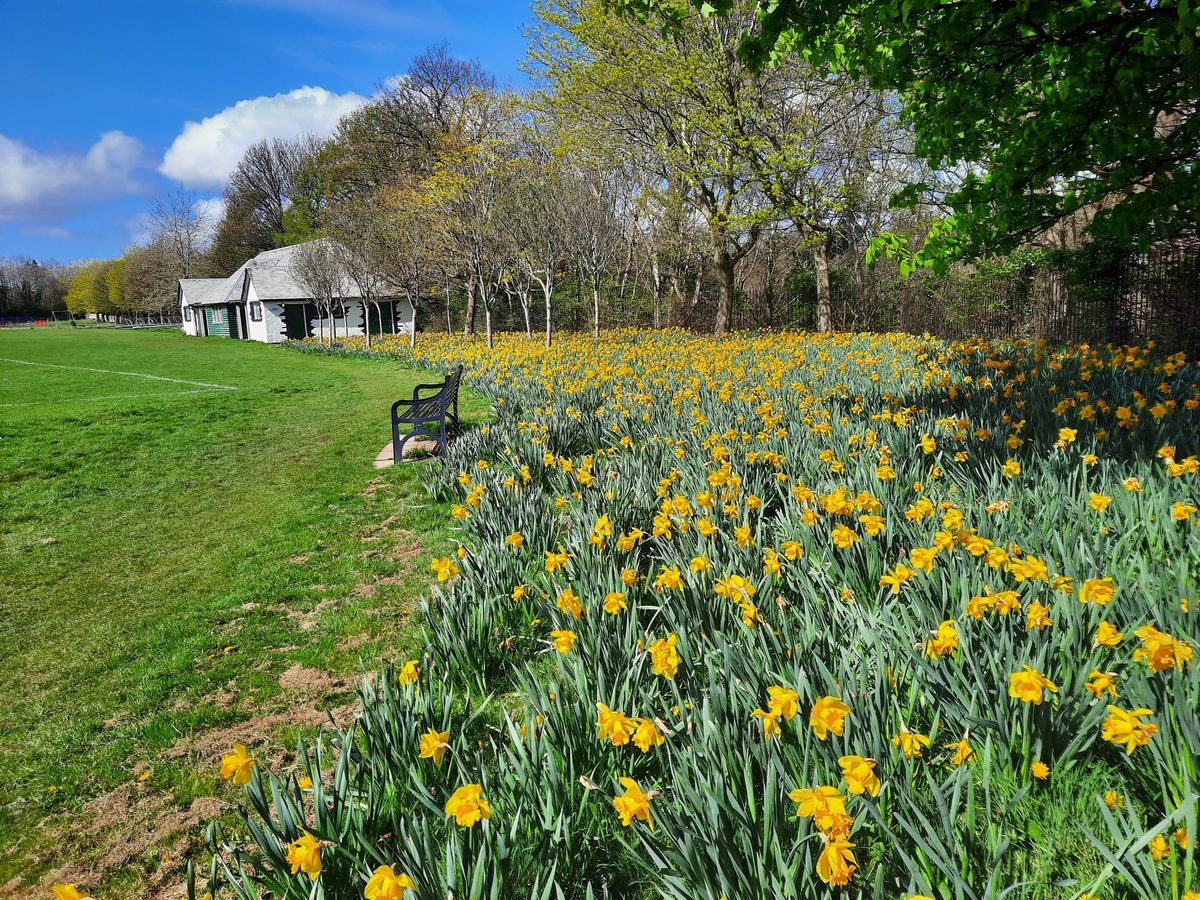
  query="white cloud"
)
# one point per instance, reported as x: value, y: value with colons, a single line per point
x: 205, y: 153
x: 210, y: 209
x: 42, y: 187
x: 56, y: 232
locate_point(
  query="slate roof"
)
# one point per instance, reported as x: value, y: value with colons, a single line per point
x: 199, y: 291
x: 273, y: 274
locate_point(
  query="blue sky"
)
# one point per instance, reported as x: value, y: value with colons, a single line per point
x: 106, y: 105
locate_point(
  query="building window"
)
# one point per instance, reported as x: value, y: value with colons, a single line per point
x: 339, y: 310
x: 255, y: 311
x: 218, y: 316
x: 187, y: 314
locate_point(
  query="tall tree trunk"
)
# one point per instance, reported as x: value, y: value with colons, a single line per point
x: 656, y: 280
x: 547, y: 290
x: 487, y: 321
x: 449, y: 326
x: 524, y: 295
x: 725, y: 268
x: 366, y: 308
x: 469, y: 324
x: 412, y: 325
x: 821, y: 264
x: 625, y: 270
x: 596, y: 305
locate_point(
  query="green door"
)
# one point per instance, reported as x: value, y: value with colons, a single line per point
x: 296, y: 321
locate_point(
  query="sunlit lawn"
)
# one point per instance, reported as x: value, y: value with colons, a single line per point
x: 154, y: 538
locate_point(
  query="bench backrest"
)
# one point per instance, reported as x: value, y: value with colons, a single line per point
x: 450, y: 391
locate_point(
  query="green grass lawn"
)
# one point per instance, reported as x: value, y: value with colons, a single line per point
x: 167, y: 551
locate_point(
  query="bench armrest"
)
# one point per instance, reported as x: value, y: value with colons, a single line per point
x: 427, y: 387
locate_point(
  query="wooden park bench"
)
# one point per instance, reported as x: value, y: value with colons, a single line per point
x: 436, y: 409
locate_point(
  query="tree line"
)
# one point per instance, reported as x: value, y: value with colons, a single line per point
x: 642, y: 169
x: 669, y: 163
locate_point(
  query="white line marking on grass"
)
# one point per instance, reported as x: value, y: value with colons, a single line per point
x: 203, y: 384
x: 109, y: 397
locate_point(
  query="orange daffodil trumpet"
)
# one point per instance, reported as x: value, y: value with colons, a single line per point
x: 1125, y: 726
x: 828, y: 716
x: 467, y: 806
x: 633, y: 803
x: 1029, y: 686
x: 237, y: 765
x: 385, y: 884
x: 304, y: 855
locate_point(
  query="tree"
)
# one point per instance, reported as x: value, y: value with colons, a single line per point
x: 148, y: 277
x: 741, y: 147
x: 114, y: 285
x: 416, y: 117
x: 29, y: 286
x: 468, y: 191
x: 1046, y: 110
x: 179, y: 223
x: 236, y: 238
x: 319, y: 271
x: 411, y: 245
x: 625, y: 90
x: 540, y: 205
x: 593, y: 228
x: 265, y: 178
x: 273, y: 199
x: 437, y: 110
x: 88, y: 292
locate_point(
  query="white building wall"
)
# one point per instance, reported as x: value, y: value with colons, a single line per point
x: 187, y: 316
x: 255, y: 331
x: 269, y: 328
x: 350, y: 326
x: 273, y: 322
x: 404, y: 317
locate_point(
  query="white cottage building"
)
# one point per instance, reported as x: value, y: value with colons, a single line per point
x: 264, y: 301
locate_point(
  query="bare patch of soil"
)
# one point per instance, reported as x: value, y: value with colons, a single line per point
x: 407, y: 550
x: 304, y: 681
x: 354, y: 642
x: 124, y: 827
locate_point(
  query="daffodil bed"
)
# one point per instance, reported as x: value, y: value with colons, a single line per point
x: 781, y: 615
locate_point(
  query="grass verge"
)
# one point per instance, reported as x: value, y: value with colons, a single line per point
x: 183, y: 564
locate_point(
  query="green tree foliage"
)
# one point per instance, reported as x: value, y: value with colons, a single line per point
x: 114, y: 284
x: 88, y: 292
x: 236, y: 238
x: 1034, y: 111
x: 744, y: 148
x: 302, y: 220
